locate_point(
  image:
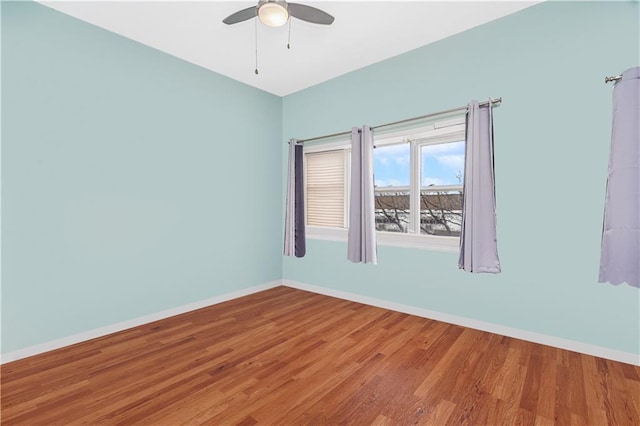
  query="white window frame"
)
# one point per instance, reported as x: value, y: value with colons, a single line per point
x: 446, y: 131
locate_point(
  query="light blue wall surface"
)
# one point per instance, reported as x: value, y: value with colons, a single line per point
x: 132, y: 181
x: 121, y: 180
x: 552, y: 137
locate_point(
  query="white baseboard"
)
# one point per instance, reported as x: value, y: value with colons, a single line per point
x: 599, y: 351
x: 571, y: 345
x: 113, y: 328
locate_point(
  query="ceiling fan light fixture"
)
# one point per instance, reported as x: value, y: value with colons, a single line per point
x: 273, y: 14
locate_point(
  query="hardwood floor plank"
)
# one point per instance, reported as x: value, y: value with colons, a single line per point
x: 562, y: 412
x: 545, y: 407
x: 440, y: 414
x: 286, y: 356
x: 451, y: 344
x: 382, y: 421
x: 623, y: 397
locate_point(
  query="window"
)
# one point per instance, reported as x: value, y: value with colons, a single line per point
x: 326, y: 177
x: 392, y: 175
x: 418, y: 187
x: 441, y: 188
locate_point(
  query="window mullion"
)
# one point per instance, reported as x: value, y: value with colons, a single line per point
x: 416, y: 172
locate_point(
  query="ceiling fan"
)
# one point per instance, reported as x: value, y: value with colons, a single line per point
x: 276, y: 13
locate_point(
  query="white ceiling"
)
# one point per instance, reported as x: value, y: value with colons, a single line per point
x: 364, y: 32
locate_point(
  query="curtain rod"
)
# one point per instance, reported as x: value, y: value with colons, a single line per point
x: 394, y: 123
x: 612, y: 78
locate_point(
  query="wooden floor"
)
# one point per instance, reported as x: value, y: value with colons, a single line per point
x: 284, y: 357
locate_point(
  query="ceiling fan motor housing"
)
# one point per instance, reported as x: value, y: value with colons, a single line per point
x: 273, y: 13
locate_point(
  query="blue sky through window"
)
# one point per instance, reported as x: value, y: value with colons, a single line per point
x: 391, y: 165
x: 442, y: 164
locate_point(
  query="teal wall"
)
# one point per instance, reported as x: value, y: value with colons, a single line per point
x: 132, y: 181
x: 552, y: 136
x: 123, y: 195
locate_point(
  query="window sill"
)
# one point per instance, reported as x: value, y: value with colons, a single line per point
x: 424, y: 242
x: 326, y: 233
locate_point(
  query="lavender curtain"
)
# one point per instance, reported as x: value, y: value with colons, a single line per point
x: 620, y: 249
x: 478, y: 243
x: 294, y: 232
x: 361, y: 246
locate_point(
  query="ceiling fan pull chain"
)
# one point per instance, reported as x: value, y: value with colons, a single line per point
x: 256, y: 44
x: 289, y: 38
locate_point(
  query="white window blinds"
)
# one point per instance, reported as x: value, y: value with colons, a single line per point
x: 325, y: 195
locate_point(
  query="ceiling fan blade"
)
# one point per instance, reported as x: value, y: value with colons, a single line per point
x: 241, y: 15
x: 310, y: 14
